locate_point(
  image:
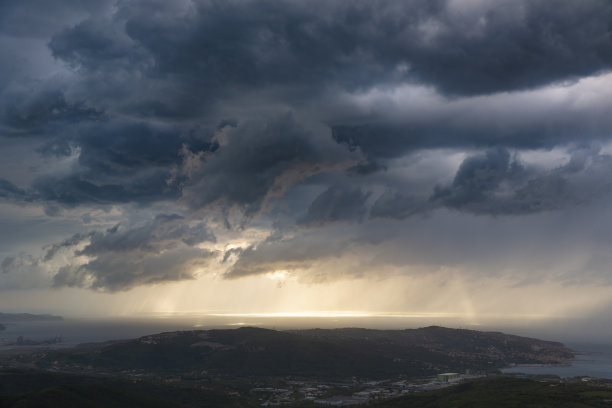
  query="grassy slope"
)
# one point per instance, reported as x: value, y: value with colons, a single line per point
x: 20, y: 389
x: 29, y: 389
x: 505, y: 392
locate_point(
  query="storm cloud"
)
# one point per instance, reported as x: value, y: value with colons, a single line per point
x: 240, y: 138
x: 471, y: 49
x: 337, y: 203
x: 164, y: 249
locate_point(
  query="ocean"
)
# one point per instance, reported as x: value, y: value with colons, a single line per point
x: 592, y: 360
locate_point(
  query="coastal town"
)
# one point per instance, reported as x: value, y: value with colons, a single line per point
x: 266, y: 391
x: 355, y: 392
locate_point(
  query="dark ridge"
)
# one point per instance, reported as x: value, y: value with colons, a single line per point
x: 336, y: 353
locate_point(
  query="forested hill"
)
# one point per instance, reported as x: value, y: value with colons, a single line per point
x: 469, y: 344
x: 313, y: 353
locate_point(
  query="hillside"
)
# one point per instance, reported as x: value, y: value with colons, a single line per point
x: 505, y: 392
x: 311, y: 353
x: 31, y: 389
x: 466, y: 345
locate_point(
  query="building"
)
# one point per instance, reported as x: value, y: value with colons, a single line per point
x: 448, y: 377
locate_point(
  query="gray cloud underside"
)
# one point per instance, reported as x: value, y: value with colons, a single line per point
x: 337, y: 203
x: 260, y: 159
x: 164, y: 249
x: 525, y: 250
x: 494, y: 183
x: 175, y: 63
x: 266, y: 108
x: 112, y: 273
x: 213, y: 45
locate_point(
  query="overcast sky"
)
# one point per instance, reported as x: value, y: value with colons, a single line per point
x: 446, y: 157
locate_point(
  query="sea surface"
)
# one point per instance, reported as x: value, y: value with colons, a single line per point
x: 592, y: 360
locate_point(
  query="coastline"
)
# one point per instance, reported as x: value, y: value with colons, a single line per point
x: 590, y: 360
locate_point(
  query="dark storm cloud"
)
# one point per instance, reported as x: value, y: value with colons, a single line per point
x: 480, y: 128
x: 337, y: 203
x: 495, y: 183
x: 120, y: 162
x: 366, y: 167
x: 164, y: 232
x: 171, y: 61
x: 513, y: 45
x: 7, y: 264
x: 458, y: 49
x: 479, y: 178
x: 164, y: 249
x: 258, y: 159
x: 41, y: 18
x: 30, y: 113
x: 184, y: 104
x: 124, y: 162
x: 118, y: 148
x: 11, y: 192
x: 118, y: 272
x: 75, y: 190
x: 115, y: 145
x: 96, y: 45
x: 398, y: 205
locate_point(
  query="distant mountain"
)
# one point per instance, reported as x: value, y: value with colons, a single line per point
x: 313, y: 353
x: 27, y: 317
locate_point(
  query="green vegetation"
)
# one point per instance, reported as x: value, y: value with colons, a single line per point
x: 247, y: 352
x: 29, y: 389
x: 507, y: 392
x: 247, y: 367
x: 26, y: 389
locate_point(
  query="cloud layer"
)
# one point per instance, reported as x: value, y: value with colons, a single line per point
x: 180, y: 140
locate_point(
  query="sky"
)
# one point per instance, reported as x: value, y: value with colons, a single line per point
x: 426, y: 158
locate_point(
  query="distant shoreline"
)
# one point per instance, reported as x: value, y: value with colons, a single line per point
x: 515, y: 366
x: 27, y: 317
x: 594, y: 363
